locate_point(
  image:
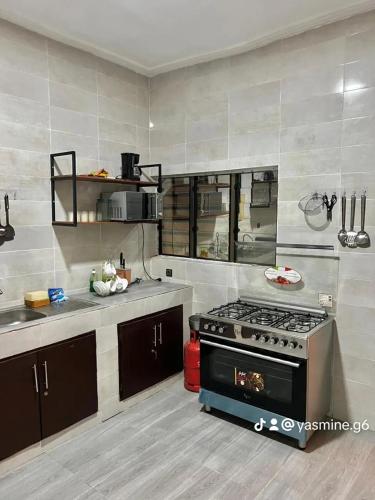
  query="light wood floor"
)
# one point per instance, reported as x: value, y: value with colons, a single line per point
x: 166, y: 448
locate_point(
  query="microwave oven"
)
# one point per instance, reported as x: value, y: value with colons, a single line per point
x: 134, y: 205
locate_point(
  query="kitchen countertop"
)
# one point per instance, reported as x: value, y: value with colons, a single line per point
x: 135, y: 292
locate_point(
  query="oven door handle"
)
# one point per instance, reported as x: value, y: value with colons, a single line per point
x: 252, y: 354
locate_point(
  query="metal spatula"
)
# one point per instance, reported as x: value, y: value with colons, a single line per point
x: 9, y: 230
x: 351, y: 234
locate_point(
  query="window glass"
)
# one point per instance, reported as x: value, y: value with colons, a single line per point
x: 175, y: 223
x: 257, y: 219
x: 197, y: 221
x: 213, y: 201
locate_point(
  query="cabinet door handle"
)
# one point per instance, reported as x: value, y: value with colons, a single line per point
x: 154, y: 335
x: 155, y: 353
x: 36, y: 378
x: 45, y: 375
x: 160, y: 334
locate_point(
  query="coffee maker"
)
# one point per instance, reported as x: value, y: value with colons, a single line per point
x: 129, y: 166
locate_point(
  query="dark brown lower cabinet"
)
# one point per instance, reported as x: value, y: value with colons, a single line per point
x: 169, y: 341
x: 19, y: 409
x: 67, y: 372
x: 138, y: 364
x: 46, y: 391
x: 150, y: 350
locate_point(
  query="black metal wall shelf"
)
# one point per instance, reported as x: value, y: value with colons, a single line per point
x: 104, y: 180
x: 75, y: 179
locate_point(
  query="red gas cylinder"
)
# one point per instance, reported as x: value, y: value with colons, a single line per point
x: 192, y: 358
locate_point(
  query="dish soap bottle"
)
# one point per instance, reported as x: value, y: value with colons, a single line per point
x: 92, y: 280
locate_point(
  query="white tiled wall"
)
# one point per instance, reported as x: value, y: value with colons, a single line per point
x: 55, y: 98
x: 306, y: 104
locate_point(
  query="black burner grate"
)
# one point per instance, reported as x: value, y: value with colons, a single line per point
x: 233, y: 310
x: 268, y: 316
x: 300, y: 323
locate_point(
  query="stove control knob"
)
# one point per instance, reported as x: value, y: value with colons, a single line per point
x: 221, y: 329
x: 263, y: 339
x: 283, y: 343
x: 206, y: 326
x: 273, y: 340
x: 213, y: 328
x: 292, y: 345
x: 254, y: 336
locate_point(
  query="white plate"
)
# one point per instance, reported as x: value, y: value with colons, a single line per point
x: 282, y: 275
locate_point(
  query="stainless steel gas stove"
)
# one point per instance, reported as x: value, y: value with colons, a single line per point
x: 269, y: 361
x: 273, y: 326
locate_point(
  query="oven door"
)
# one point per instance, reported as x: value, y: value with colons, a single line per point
x: 264, y: 379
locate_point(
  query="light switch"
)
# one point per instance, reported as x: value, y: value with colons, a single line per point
x: 325, y: 300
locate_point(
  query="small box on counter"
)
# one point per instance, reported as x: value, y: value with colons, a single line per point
x: 124, y: 274
x: 37, y: 299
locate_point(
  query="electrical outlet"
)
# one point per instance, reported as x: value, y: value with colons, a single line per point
x: 169, y: 273
x: 325, y: 300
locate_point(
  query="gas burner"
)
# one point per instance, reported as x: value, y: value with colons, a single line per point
x: 232, y: 313
x: 265, y: 316
x: 263, y: 319
x: 300, y: 323
x: 233, y: 310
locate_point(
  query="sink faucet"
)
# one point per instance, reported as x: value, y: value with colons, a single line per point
x: 217, y: 244
x: 1, y: 292
x: 247, y: 235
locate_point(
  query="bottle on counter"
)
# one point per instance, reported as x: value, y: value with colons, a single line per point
x: 92, y: 280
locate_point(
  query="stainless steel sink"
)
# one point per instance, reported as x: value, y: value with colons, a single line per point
x: 19, y: 315
x: 13, y: 317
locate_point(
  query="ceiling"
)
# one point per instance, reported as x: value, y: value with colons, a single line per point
x: 154, y: 36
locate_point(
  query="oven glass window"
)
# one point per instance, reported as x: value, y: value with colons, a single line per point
x: 264, y: 378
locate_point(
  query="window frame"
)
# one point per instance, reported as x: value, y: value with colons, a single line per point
x: 234, y: 210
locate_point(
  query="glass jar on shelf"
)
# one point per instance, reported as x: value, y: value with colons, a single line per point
x: 104, y: 208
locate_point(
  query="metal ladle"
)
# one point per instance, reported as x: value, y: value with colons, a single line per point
x: 342, y: 233
x: 363, y: 239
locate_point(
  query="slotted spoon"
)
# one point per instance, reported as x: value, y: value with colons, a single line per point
x: 351, y: 234
x: 363, y: 239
